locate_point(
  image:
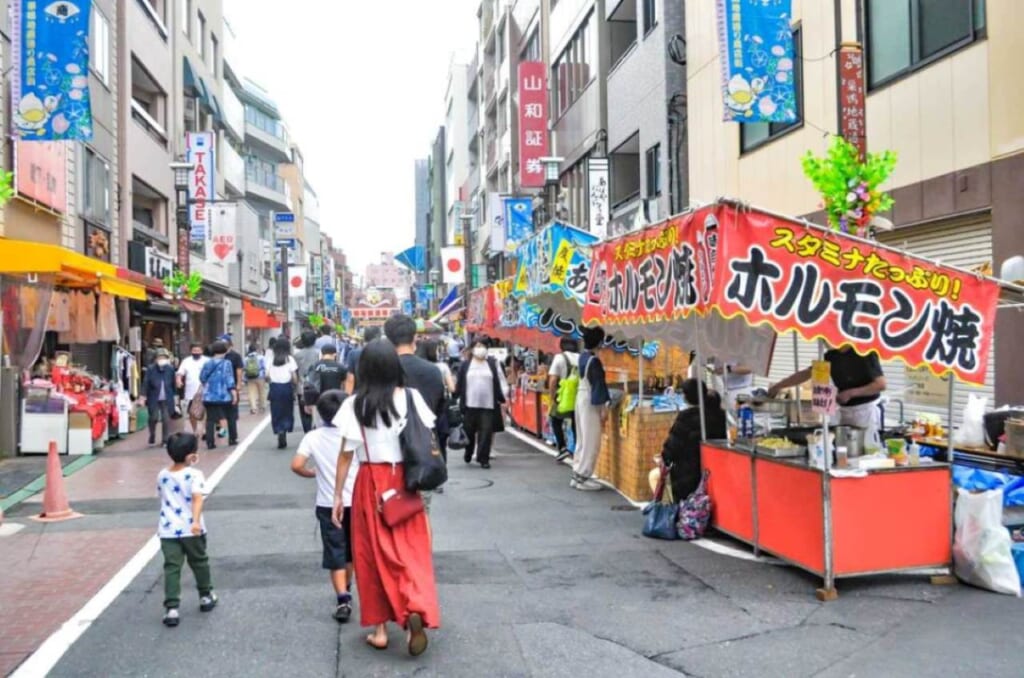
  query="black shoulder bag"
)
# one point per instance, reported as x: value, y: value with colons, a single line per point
x: 424, y: 466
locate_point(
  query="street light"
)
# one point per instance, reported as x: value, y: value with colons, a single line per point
x: 551, y: 185
x: 181, y: 171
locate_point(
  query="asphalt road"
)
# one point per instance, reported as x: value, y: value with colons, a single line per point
x: 535, y: 579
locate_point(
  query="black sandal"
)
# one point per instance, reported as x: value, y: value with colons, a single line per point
x: 417, y: 636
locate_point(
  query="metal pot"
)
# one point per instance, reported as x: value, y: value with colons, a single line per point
x: 852, y: 438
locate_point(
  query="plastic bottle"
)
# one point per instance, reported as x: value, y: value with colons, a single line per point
x: 842, y: 460
x: 746, y: 421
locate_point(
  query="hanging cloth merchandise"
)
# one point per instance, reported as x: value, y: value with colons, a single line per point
x: 29, y: 300
x: 70, y: 335
x: 106, y: 329
x: 59, y: 318
x: 87, y: 333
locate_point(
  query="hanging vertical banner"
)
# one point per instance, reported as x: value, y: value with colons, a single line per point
x: 533, y: 123
x: 199, y: 152
x: 496, y: 220
x: 518, y: 221
x: 453, y: 260
x: 597, y: 187
x: 223, y: 221
x: 50, y: 75
x: 756, y: 53
x: 852, y: 118
x: 297, y: 281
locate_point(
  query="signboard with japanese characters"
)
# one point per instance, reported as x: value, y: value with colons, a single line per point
x: 852, y: 119
x: 792, y: 276
x: 199, y: 151
x: 533, y: 123
x: 598, y: 194
x: 554, y: 267
x: 823, y: 392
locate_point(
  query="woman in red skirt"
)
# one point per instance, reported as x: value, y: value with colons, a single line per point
x: 393, y: 566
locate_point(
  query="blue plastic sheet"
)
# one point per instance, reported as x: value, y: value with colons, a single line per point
x: 977, y: 480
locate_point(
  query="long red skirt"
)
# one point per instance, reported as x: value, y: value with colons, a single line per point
x: 393, y: 566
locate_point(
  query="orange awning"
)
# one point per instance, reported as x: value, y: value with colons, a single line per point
x: 22, y: 257
x: 257, y: 318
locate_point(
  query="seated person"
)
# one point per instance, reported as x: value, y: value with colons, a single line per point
x: 682, y: 447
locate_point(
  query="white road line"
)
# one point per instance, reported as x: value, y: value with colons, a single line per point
x: 53, y: 648
x: 707, y: 543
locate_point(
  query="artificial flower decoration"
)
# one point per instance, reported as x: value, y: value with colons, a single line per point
x: 179, y: 285
x: 316, y: 321
x: 849, y: 187
x: 6, y: 187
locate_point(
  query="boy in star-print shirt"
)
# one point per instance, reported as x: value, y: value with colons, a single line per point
x: 182, y: 531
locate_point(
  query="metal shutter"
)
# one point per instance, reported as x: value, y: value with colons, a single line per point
x: 963, y: 243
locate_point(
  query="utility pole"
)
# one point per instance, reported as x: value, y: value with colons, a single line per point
x: 284, y: 290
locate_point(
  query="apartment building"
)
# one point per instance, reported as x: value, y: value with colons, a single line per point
x: 941, y: 91
x: 646, y: 93
x: 456, y: 161
x: 421, y: 182
x: 437, y: 213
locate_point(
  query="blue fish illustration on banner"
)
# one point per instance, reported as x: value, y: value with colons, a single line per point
x: 518, y: 221
x: 50, y: 75
x: 756, y: 52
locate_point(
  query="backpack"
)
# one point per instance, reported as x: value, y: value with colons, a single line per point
x: 252, y: 366
x: 567, y: 389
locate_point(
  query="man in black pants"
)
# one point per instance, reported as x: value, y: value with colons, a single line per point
x: 420, y: 374
x: 238, y: 364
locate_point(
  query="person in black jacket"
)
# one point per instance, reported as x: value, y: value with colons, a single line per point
x: 158, y: 394
x: 482, y: 390
x: 681, y: 451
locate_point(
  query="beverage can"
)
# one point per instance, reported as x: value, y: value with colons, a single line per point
x: 746, y: 422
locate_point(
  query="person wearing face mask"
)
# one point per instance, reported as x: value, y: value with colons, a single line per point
x: 482, y: 389
x: 188, y: 379
x: 158, y: 395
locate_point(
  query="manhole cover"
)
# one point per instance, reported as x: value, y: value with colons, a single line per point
x: 470, y: 484
x: 625, y: 507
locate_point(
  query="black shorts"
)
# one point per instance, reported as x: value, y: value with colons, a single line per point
x: 337, y: 540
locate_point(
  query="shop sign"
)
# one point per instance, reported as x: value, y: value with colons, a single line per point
x: 496, y: 221
x: 555, y: 261
x: 284, y: 225
x: 97, y: 242
x: 183, y: 251
x: 40, y: 168
x: 158, y: 264
x: 925, y: 389
x: 823, y: 392
x: 199, y: 151
x: 790, y: 276
x: 223, y: 225
x: 597, y: 187
x: 533, y: 123
x: 518, y: 221
x: 852, y: 118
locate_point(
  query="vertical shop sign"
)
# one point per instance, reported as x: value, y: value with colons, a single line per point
x: 852, y: 119
x: 50, y: 75
x: 199, y: 151
x: 756, y: 53
x: 823, y: 393
x: 533, y: 123
x: 597, y: 187
x: 223, y: 221
x: 40, y: 170
x: 518, y: 221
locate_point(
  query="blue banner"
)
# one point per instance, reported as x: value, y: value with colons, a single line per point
x: 518, y: 220
x: 423, y: 295
x: 756, y: 52
x: 329, y: 299
x: 50, y: 75
x: 407, y: 306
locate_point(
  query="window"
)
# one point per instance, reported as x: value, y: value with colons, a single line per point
x: 754, y: 134
x: 201, y: 35
x: 502, y: 115
x: 149, y: 103
x: 500, y: 40
x: 532, y: 50
x: 100, y: 46
x: 214, y: 54
x: 186, y: 17
x: 261, y: 120
x: 95, y: 188
x: 155, y: 10
x: 191, y: 105
x: 650, y: 15
x: 904, y: 35
x: 575, y: 67
x: 621, y: 32
x: 652, y: 166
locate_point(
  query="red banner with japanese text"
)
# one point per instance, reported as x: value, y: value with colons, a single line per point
x: 823, y: 284
x: 533, y: 122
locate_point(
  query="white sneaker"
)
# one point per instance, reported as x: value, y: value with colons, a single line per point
x: 589, y: 486
x: 574, y: 484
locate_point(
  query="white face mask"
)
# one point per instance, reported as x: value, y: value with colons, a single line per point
x: 163, y: 362
x: 479, y: 352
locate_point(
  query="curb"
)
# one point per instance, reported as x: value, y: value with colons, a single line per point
x: 37, y: 485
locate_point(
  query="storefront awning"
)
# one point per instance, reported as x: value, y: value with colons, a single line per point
x: 23, y: 257
x: 195, y: 84
x: 257, y: 318
x: 191, y: 306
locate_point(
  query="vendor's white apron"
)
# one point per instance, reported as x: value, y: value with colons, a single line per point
x: 867, y: 417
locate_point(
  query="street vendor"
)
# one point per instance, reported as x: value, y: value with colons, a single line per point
x: 859, y: 380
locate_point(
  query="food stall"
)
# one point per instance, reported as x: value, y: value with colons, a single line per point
x: 49, y: 291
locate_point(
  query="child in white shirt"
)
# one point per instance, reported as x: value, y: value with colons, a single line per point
x: 321, y: 446
x: 182, y: 530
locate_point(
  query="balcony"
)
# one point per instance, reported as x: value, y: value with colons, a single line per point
x: 233, y: 167
x: 267, y: 187
x: 267, y: 134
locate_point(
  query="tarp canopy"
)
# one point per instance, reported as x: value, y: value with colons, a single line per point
x: 744, y: 271
x: 414, y: 258
x: 23, y: 257
x: 554, y: 267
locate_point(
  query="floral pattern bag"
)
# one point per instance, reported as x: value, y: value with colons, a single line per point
x: 695, y: 512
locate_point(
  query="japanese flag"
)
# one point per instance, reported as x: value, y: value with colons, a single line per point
x: 454, y: 262
x: 296, y: 281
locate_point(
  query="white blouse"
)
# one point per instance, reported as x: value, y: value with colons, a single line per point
x: 383, y: 442
x: 281, y: 374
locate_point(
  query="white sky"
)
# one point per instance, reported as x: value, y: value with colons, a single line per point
x: 361, y: 86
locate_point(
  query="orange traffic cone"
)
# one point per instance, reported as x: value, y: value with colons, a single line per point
x: 55, y: 499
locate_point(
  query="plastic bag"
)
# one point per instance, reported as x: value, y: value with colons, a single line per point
x: 972, y: 429
x: 981, y: 548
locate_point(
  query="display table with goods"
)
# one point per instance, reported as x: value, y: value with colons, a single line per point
x: 832, y: 523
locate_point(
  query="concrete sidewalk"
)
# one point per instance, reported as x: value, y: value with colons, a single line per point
x: 535, y: 579
x: 47, y: 572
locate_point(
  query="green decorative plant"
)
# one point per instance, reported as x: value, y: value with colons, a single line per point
x: 849, y: 187
x: 180, y: 285
x: 6, y: 187
x: 316, y: 321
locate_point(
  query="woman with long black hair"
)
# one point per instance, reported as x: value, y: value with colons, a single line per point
x: 282, y: 373
x: 393, y: 564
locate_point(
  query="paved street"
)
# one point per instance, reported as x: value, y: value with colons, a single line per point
x: 535, y: 580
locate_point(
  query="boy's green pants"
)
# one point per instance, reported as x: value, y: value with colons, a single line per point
x: 175, y: 552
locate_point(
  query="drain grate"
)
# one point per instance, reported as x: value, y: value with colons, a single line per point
x: 625, y: 507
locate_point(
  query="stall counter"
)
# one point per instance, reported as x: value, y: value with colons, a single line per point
x: 527, y: 410
x: 629, y: 444
x: 889, y: 521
